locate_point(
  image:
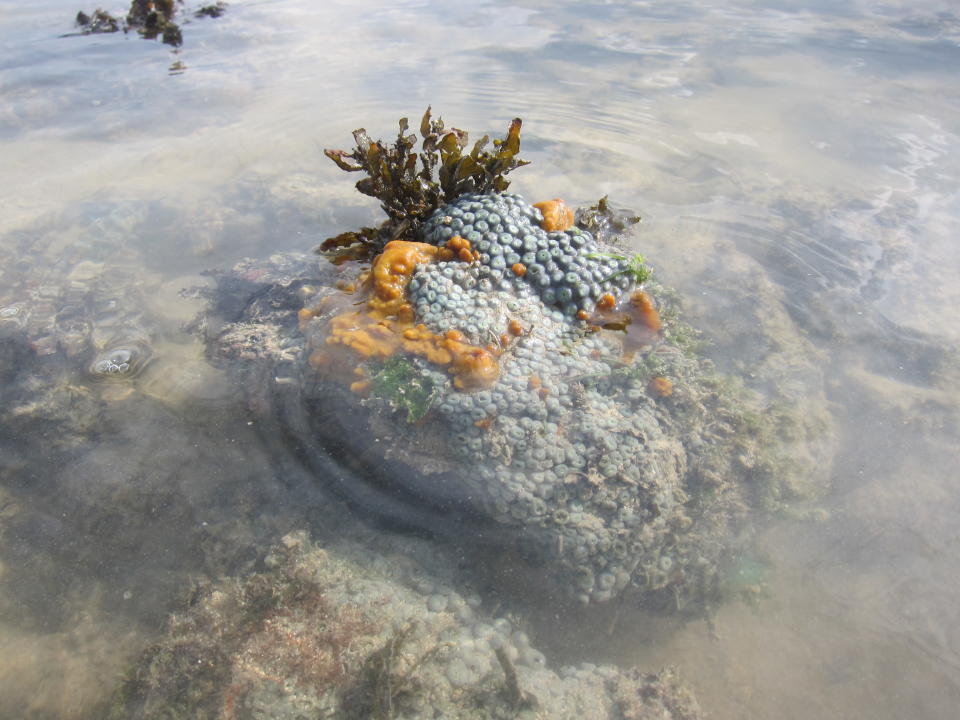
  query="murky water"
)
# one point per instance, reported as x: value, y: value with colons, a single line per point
x: 797, y: 173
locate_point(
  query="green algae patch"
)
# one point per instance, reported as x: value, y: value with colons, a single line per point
x: 404, y: 388
x: 635, y: 266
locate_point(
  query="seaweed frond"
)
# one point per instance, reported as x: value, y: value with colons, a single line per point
x: 389, y: 675
x: 411, y: 184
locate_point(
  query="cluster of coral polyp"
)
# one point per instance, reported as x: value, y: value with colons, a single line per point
x: 433, y: 299
x: 551, y: 424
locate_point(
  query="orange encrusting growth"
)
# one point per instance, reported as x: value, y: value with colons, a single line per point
x: 606, y: 302
x: 461, y: 246
x: 646, y: 311
x: 458, y: 243
x: 474, y: 368
x: 556, y: 215
x: 660, y: 386
x: 303, y: 318
x: 641, y: 311
x: 392, y: 270
x: 386, y: 325
x: 637, y: 319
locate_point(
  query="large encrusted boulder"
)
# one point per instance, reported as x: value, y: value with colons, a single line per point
x: 510, y: 379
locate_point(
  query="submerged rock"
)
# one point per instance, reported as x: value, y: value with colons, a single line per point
x: 496, y: 382
x: 343, y: 632
x: 73, y: 329
x: 82, y: 326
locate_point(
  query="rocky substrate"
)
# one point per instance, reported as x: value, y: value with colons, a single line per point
x: 345, y: 632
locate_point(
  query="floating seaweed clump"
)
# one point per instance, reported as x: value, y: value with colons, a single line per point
x: 100, y: 21
x: 151, y: 19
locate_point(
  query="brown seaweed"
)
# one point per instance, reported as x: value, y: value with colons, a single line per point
x: 606, y: 223
x: 150, y: 19
x: 100, y: 21
x: 411, y: 184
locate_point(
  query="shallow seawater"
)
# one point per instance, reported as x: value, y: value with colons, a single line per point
x: 796, y: 169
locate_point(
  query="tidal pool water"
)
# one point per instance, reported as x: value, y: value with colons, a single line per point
x: 796, y: 166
